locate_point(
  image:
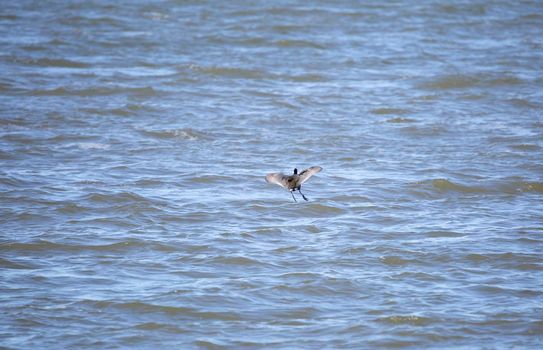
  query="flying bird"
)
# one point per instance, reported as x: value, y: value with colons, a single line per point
x: 293, y: 182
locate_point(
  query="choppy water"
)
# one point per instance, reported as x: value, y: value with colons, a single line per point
x: 135, y: 137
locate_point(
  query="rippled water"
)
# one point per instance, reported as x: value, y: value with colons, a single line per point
x: 134, y: 141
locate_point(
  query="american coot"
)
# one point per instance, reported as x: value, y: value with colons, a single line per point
x: 293, y: 182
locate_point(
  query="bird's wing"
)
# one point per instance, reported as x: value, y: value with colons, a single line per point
x: 278, y: 179
x: 307, y: 173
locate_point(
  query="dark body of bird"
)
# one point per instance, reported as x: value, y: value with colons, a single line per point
x: 293, y: 182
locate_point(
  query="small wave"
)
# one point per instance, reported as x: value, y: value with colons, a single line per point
x: 450, y: 82
x: 182, y: 134
x: 108, y: 112
x: 425, y: 130
x: 90, y: 92
x: 457, y: 81
x: 385, y: 111
x: 149, y: 183
x: 311, y: 228
x: 288, y: 28
x: 526, y: 147
x: 118, y: 197
x: 502, y: 81
x: 529, y: 267
x: 502, y: 258
x: 274, y: 231
x: 299, y: 313
x: 7, y: 264
x: 401, y: 120
x: 49, y: 92
x: 306, y: 276
x: 50, y: 62
x: 354, y: 250
x: 394, y: 260
x: 17, y: 122
x: 439, y: 234
x: 9, y: 17
x: 139, y: 107
x: 408, y: 320
x: 6, y: 156
x: 523, y: 187
x: 235, y: 260
x: 27, y: 216
x: 318, y: 208
x: 299, y: 44
x: 208, y: 179
x: 156, y: 15
x: 523, y: 103
x: 154, y: 326
x: 514, y: 187
x: 208, y: 344
x: 12, y: 181
x: 43, y: 245
x: 91, y: 21
x: 230, y: 72
x: 21, y: 137
x: 499, y: 290
x: 192, y: 217
x: 4, y: 86
x: 125, y: 202
x: 93, y: 145
x: 71, y: 208
x: 512, y: 261
x: 421, y: 276
x: 69, y: 137
x: 180, y: 311
x: 446, y: 185
x: 307, y: 78
x: 58, y: 62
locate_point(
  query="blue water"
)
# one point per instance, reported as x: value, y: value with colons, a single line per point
x: 134, y: 141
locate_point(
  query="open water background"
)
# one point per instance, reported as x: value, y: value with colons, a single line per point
x: 134, y: 141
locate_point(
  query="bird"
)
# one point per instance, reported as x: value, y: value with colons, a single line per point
x: 293, y: 182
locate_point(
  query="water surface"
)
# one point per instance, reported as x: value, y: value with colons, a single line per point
x: 135, y: 137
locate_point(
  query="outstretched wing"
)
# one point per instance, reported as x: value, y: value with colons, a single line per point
x: 307, y: 173
x: 277, y: 178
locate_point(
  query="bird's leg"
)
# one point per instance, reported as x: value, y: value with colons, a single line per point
x: 292, y: 193
x: 300, y: 190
